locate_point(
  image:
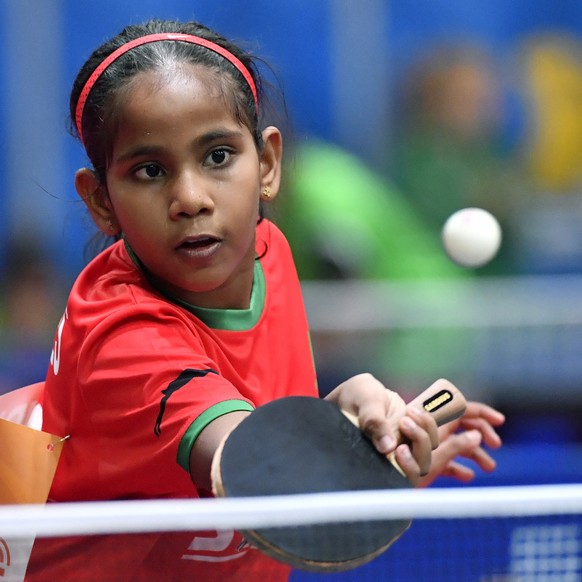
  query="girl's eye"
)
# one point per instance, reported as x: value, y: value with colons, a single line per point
x: 219, y: 157
x: 149, y: 172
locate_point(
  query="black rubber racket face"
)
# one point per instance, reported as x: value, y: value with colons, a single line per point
x: 306, y: 445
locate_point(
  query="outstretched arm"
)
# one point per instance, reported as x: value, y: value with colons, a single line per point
x: 206, y: 444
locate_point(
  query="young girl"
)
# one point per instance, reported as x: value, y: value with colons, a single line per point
x: 194, y: 317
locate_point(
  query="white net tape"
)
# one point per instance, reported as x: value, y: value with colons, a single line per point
x: 63, y: 519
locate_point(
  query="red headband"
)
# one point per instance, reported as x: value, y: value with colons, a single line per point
x: 155, y: 38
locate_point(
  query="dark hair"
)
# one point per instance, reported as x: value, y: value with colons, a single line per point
x: 99, y: 116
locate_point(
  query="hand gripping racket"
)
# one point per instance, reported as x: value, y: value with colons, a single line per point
x: 308, y: 445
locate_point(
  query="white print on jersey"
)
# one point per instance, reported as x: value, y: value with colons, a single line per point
x: 4, y: 557
x: 56, y: 353
x: 214, y: 547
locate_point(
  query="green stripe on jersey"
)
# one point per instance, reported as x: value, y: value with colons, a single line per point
x: 202, y: 422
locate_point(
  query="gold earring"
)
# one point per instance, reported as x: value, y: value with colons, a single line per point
x: 266, y: 194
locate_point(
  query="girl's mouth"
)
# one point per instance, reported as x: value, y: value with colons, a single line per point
x: 199, y: 246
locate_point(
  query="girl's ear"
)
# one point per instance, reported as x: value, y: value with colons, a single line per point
x: 270, y: 161
x: 94, y: 195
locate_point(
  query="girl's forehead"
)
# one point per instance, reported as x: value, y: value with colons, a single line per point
x: 164, y: 94
x: 174, y: 77
x: 171, y: 105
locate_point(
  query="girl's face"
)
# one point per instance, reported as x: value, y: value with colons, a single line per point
x: 183, y: 185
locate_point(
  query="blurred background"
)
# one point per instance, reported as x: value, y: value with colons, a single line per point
x: 401, y: 113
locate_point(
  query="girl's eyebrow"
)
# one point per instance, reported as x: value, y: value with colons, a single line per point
x: 216, y: 135
x: 203, y: 140
x: 146, y: 150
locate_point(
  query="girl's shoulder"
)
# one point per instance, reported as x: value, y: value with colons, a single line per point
x: 111, y: 274
x: 270, y: 239
x: 113, y: 286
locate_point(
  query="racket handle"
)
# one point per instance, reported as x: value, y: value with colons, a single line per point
x: 443, y: 400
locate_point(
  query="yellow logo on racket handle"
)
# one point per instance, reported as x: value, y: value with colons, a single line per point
x: 435, y: 402
x: 443, y: 400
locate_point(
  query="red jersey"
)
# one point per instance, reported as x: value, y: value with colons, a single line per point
x: 135, y: 377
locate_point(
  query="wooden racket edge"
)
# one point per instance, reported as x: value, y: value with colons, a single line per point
x: 215, y: 470
x: 275, y: 552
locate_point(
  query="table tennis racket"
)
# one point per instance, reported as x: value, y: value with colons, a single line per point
x: 299, y: 445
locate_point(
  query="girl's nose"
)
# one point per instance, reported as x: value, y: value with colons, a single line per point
x: 190, y: 196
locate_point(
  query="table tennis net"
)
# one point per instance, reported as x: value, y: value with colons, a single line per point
x: 495, y: 534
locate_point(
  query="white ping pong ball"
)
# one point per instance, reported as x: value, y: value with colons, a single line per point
x: 471, y: 237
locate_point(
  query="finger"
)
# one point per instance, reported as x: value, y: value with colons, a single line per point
x: 380, y: 432
x: 443, y: 463
x: 453, y: 469
x: 482, y: 458
x: 408, y: 464
x: 458, y: 471
x: 419, y: 441
x: 427, y: 422
x: 490, y: 436
x: 378, y: 417
x: 462, y: 444
x: 490, y: 414
x: 448, y: 429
